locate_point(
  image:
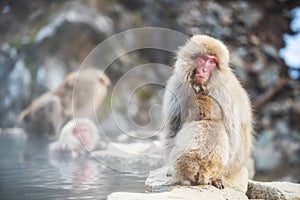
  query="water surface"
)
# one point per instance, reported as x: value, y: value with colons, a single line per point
x: 27, y: 172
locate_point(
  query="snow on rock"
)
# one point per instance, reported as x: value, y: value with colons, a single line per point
x: 75, y: 12
x: 183, y: 193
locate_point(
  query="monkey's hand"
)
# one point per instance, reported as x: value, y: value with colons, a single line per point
x: 218, y: 183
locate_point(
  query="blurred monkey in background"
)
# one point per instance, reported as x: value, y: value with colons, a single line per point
x: 78, y: 137
x: 79, y: 94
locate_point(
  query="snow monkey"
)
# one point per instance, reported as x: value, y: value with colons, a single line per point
x: 202, y: 67
x: 86, y: 89
x: 78, y: 137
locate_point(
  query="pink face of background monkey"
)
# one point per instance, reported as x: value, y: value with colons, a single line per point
x: 77, y: 138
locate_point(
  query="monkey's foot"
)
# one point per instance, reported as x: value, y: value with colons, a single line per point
x: 218, y: 183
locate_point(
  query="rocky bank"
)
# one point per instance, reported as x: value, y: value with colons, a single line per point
x: 158, y: 184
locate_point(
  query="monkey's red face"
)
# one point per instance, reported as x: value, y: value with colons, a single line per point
x: 205, y: 65
x: 83, y: 134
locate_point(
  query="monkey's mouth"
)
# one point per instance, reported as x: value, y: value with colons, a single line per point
x: 195, y: 77
x: 200, y: 79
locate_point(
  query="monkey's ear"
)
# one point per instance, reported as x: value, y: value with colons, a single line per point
x: 103, y: 79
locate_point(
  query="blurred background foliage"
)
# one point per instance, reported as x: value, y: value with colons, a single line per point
x: 42, y: 41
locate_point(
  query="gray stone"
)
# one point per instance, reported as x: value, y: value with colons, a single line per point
x: 270, y: 50
x: 248, y: 15
x: 88, y: 16
x: 268, y: 76
x: 273, y: 190
x: 134, y: 157
x: 158, y: 181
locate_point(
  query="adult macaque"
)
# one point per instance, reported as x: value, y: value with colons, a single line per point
x: 43, y: 116
x: 78, y: 137
x: 84, y: 90
x: 202, y: 66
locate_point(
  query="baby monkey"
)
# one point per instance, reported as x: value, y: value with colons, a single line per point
x: 203, y: 159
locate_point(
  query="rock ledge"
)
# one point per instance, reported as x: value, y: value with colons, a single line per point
x: 160, y: 186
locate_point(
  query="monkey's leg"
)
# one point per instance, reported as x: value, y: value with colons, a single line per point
x: 212, y: 168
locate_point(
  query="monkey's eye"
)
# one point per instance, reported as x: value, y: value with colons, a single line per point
x: 211, y: 62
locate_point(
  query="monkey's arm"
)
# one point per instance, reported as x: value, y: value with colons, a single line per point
x: 174, y: 104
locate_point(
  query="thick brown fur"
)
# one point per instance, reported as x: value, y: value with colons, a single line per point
x: 84, y: 89
x: 206, y: 145
x: 223, y: 86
